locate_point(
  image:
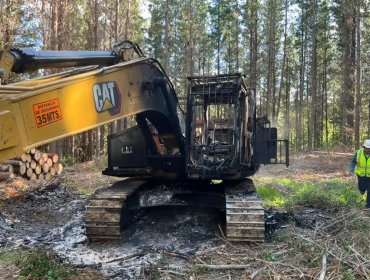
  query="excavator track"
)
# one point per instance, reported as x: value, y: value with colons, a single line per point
x: 103, y: 219
x: 245, y: 220
x: 245, y: 216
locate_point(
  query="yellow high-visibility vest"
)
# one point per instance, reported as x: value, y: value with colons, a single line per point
x: 362, y: 164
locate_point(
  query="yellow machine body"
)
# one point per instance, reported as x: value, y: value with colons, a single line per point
x: 36, y: 112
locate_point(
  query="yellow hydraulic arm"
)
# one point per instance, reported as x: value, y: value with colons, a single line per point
x: 39, y: 111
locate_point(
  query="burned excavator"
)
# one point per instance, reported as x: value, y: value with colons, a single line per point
x: 202, y: 157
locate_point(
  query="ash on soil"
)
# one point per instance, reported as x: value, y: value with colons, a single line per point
x: 26, y: 220
x: 169, y: 238
x: 53, y: 217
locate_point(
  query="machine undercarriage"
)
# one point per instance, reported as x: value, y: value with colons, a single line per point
x: 110, y: 210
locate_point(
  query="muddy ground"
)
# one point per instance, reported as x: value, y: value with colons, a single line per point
x: 168, y: 243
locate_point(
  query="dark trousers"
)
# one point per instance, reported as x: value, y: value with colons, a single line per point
x: 363, y: 186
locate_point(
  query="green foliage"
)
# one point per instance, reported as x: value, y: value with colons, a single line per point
x: 332, y: 195
x: 361, y: 225
x: 201, y: 270
x: 270, y: 257
x: 68, y: 161
x: 270, y: 196
x: 348, y: 275
x: 9, y: 257
x: 36, y: 264
x: 152, y: 273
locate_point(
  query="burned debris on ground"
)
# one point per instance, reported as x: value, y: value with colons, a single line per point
x: 188, y: 243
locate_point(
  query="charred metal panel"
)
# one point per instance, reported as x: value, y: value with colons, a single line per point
x: 269, y: 149
x: 265, y: 145
x: 217, y: 129
x: 127, y: 149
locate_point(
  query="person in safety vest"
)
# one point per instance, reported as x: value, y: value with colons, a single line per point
x: 360, y: 165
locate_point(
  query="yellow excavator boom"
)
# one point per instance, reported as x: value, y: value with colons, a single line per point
x: 36, y: 112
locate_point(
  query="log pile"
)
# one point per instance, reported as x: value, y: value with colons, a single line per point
x: 33, y: 165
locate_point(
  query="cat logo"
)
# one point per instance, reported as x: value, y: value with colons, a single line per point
x: 107, y: 97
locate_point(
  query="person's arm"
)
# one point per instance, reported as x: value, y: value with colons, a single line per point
x: 353, y: 163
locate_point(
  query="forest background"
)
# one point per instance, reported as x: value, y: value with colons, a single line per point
x: 308, y: 60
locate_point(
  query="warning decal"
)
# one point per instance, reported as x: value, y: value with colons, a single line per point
x: 47, y: 112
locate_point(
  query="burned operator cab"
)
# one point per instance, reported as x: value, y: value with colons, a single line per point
x: 222, y: 130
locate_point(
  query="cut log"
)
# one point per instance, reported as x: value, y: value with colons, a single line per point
x: 29, y: 172
x: 33, y: 164
x: 38, y: 169
x: 44, y: 156
x: 27, y: 164
x: 56, y: 167
x: 6, y: 175
x: 32, y: 151
x: 47, y: 176
x: 54, y: 157
x: 33, y: 177
x: 41, y: 176
x: 45, y: 168
x: 29, y: 157
x: 22, y: 169
x: 24, y: 157
x: 41, y: 161
x: 52, y: 171
x: 49, y: 162
x: 37, y: 155
x: 60, y: 169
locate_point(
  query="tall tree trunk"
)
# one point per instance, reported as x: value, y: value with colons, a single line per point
x: 287, y: 102
x: 271, y: 71
x: 127, y: 24
x: 218, y: 38
x: 325, y: 91
x: 302, y: 73
x: 313, y: 115
x: 166, y: 62
x: 358, y: 74
x: 7, y: 32
x: 283, y: 68
x: 237, y: 37
x: 347, y: 100
x: 253, y: 41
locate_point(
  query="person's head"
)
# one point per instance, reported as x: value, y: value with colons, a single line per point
x: 367, y: 146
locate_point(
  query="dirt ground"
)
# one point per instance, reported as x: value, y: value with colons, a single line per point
x: 178, y: 243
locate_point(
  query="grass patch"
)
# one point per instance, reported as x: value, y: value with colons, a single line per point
x: 37, y: 264
x: 270, y: 257
x: 68, y: 161
x: 201, y: 270
x: 331, y: 195
x: 83, y: 191
x: 152, y: 273
x: 270, y: 196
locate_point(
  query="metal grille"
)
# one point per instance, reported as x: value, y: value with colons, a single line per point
x: 214, y: 131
